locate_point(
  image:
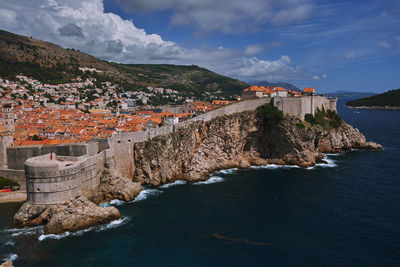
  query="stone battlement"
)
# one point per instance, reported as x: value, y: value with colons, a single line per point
x: 54, y: 179
x: 75, y: 169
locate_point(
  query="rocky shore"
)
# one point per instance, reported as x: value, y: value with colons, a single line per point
x: 7, y: 264
x: 193, y: 153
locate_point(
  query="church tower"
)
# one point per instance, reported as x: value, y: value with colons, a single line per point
x: 9, y: 118
x: 7, y: 131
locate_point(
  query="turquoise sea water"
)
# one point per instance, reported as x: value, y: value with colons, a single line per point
x: 345, y: 213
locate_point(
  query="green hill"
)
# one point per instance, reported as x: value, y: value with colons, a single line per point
x: 51, y: 63
x: 387, y: 99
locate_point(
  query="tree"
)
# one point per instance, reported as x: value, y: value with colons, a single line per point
x: 270, y: 114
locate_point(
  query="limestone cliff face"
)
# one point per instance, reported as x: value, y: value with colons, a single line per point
x: 238, y: 140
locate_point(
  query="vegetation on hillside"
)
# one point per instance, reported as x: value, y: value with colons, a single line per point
x: 270, y: 115
x: 51, y: 63
x: 390, y: 98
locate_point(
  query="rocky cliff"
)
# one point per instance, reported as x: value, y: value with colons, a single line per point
x: 239, y: 140
x: 192, y: 153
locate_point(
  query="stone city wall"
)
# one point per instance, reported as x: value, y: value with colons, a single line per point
x: 16, y: 156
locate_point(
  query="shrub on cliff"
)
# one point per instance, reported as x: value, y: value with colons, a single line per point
x: 310, y: 119
x: 270, y: 114
x: 326, y: 119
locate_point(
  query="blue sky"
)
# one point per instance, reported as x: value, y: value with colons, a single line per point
x: 330, y: 45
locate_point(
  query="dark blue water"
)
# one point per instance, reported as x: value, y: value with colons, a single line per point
x: 344, y: 215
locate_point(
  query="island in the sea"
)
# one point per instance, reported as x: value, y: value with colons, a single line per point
x: 387, y: 100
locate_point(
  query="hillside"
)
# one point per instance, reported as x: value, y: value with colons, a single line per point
x: 287, y: 86
x: 51, y: 63
x: 390, y: 99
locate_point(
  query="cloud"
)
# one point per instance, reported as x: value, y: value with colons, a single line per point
x: 350, y: 56
x: 228, y: 16
x: 7, y: 16
x: 85, y: 26
x: 385, y: 44
x: 317, y: 77
x: 71, y: 30
x: 253, y: 49
x: 276, y: 70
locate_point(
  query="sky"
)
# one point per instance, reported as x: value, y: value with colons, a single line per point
x: 329, y: 45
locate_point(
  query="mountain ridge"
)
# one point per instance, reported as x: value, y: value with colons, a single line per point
x: 52, y: 63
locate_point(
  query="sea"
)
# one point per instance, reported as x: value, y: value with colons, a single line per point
x: 343, y: 213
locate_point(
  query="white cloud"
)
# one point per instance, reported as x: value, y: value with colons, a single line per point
x: 251, y: 50
x: 256, y: 69
x: 316, y: 77
x: 385, y: 44
x: 350, y: 56
x: 85, y: 26
x: 7, y: 16
x: 228, y: 16
x: 324, y: 76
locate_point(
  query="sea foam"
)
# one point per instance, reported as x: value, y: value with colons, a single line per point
x: 24, y: 231
x: 212, y: 180
x: 11, y: 257
x: 117, y: 202
x: 10, y: 243
x: 330, y: 163
x: 275, y: 166
x: 144, y: 194
x: 97, y: 228
x: 178, y: 182
x: 228, y: 171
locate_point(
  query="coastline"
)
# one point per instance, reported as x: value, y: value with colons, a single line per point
x: 15, y: 196
x: 375, y: 107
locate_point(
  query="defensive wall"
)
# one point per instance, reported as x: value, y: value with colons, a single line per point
x: 300, y: 106
x: 74, y: 169
x: 53, y: 179
x: 17, y: 155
